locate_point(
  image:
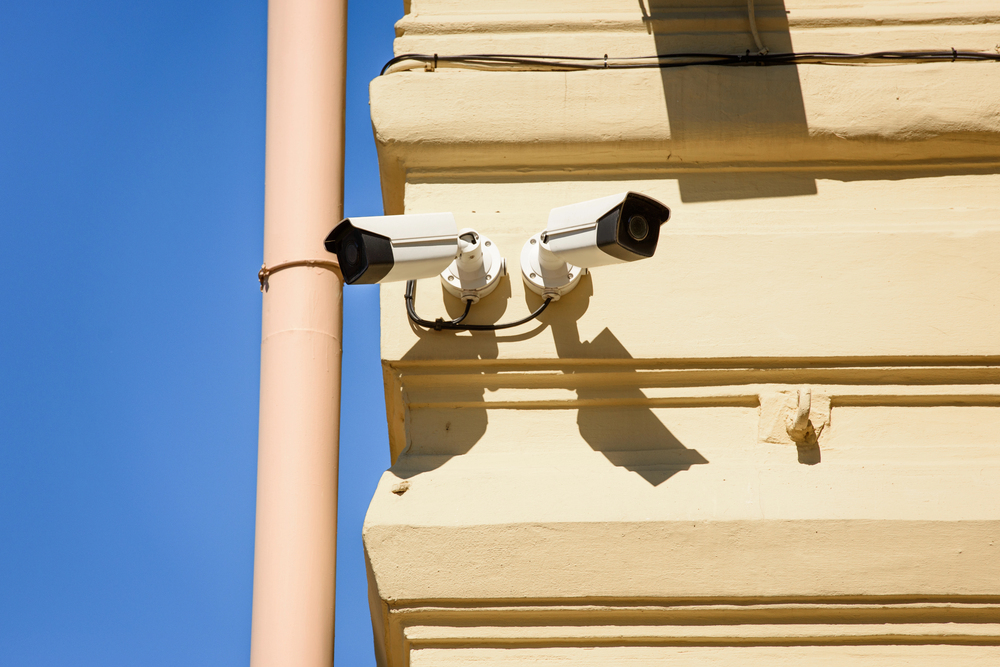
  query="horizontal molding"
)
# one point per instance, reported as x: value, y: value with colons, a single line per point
x: 759, y: 635
x: 626, y: 35
x: 968, y: 396
x: 450, y: 386
x: 451, y: 624
x: 885, y: 10
x: 708, y: 118
x: 613, y: 378
x: 707, y: 611
x: 881, y: 368
x: 691, y: 20
x: 707, y: 16
x: 759, y: 558
x: 872, y: 169
x: 492, y: 385
x: 975, y: 396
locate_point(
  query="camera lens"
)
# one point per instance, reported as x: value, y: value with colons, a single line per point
x: 351, y: 252
x: 638, y: 228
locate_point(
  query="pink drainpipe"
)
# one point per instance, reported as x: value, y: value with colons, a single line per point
x: 295, y: 550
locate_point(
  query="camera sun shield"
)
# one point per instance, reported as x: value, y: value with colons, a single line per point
x: 631, y: 231
x: 365, y: 258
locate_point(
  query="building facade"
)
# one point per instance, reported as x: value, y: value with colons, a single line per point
x: 620, y: 482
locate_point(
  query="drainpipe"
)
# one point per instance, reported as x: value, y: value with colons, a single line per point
x: 295, y: 550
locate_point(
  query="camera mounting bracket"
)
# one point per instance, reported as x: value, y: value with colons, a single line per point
x: 544, y: 273
x: 476, y: 270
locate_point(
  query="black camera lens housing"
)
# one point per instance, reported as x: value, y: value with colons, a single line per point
x: 365, y: 258
x: 631, y: 230
x: 638, y: 228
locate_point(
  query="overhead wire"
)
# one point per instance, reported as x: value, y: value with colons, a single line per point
x: 520, y: 62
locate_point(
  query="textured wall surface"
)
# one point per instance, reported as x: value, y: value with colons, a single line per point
x: 615, y: 482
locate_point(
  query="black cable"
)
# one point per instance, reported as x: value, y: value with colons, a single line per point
x: 439, y: 324
x: 668, y: 60
x: 454, y: 325
x: 505, y: 325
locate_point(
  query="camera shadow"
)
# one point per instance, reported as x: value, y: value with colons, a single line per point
x: 612, y: 418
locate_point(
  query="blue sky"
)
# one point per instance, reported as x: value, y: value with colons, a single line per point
x: 131, y: 223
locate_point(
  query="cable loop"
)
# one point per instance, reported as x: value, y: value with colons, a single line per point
x: 440, y: 324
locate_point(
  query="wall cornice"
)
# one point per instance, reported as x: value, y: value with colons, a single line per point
x: 699, y: 118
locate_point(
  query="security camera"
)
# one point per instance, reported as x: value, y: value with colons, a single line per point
x: 618, y: 228
x: 385, y: 248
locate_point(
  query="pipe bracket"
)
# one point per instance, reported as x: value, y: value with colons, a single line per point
x: 265, y: 271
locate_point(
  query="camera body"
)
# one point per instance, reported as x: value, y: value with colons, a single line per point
x: 386, y: 248
x: 618, y: 228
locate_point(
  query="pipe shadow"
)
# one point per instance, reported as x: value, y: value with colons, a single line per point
x: 729, y: 107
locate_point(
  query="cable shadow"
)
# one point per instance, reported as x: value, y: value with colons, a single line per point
x: 729, y: 108
x: 452, y: 431
x: 627, y: 433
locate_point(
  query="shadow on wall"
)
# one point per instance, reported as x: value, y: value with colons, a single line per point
x: 612, y: 419
x: 448, y: 432
x: 726, y: 107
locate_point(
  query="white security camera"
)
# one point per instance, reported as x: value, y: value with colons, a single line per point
x: 385, y: 248
x: 618, y: 228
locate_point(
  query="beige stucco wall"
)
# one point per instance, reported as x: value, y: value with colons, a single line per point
x: 614, y: 484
